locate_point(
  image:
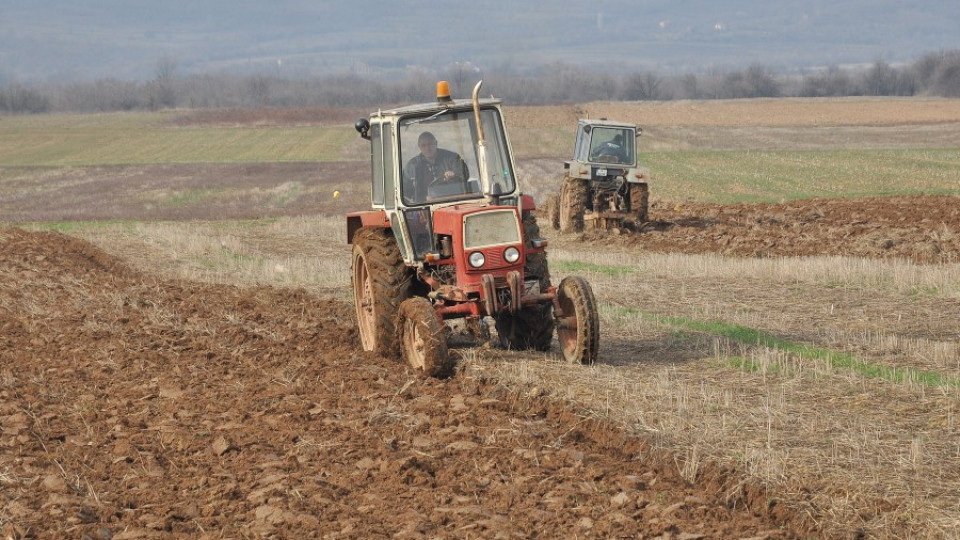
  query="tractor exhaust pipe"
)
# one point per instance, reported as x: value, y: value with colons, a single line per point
x: 481, y: 146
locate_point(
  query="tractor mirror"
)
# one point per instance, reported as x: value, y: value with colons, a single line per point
x: 639, y: 132
x: 363, y: 128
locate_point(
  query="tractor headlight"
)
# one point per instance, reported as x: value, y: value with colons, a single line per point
x: 477, y: 259
x: 511, y: 255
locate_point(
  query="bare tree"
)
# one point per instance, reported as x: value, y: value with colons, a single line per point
x: 834, y: 82
x: 946, y: 80
x: 879, y: 80
x: 20, y: 99
x: 761, y: 82
x: 258, y: 90
x: 643, y: 86
x: 162, y: 91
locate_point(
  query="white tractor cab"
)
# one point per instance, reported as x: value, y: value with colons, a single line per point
x: 602, y: 185
x: 408, y: 187
x: 451, y: 236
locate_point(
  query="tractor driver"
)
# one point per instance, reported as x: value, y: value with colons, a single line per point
x: 432, y: 166
x: 614, y: 148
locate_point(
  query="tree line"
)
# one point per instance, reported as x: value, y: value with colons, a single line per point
x: 933, y: 74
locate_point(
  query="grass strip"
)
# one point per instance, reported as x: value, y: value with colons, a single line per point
x: 837, y: 360
x: 570, y: 267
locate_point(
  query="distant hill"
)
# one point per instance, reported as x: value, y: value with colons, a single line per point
x: 65, y: 40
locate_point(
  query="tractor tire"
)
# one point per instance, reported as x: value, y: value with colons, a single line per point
x: 381, y: 282
x: 532, y: 326
x: 640, y: 201
x: 552, y: 203
x: 578, y: 326
x: 573, y: 203
x: 423, y: 341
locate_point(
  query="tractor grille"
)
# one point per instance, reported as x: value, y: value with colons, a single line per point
x: 494, y: 257
x: 493, y: 228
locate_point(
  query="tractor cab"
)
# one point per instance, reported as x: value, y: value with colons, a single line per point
x: 435, y: 155
x: 605, y: 142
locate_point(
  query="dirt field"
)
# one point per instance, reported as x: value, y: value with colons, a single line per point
x: 923, y: 229
x: 137, y: 405
x: 134, y: 407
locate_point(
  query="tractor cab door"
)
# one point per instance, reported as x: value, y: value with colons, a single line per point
x: 382, y: 158
x: 383, y: 192
x: 581, y: 146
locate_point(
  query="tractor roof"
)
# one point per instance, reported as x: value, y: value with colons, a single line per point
x: 594, y: 122
x: 433, y: 107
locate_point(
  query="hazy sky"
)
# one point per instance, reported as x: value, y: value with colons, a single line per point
x: 125, y: 39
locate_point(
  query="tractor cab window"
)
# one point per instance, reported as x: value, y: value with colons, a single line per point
x: 439, y: 161
x: 612, y: 145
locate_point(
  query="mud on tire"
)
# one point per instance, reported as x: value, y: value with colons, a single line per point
x: 573, y: 203
x: 579, y: 329
x: 381, y: 282
x: 640, y: 201
x: 422, y: 339
x: 552, y: 205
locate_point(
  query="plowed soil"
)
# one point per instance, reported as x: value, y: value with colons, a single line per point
x: 923, y: 229
x: 135, y: 407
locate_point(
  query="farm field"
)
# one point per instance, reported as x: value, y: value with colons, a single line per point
x: 780, y: 352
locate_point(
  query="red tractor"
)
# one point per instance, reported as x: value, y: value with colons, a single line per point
x: 450, y: 236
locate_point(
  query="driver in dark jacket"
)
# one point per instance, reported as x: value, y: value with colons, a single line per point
x: 431, y: 166
x: 615, y: 149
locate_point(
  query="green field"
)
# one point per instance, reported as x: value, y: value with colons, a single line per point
x: 141, y: 139
x: 700, y: 173
x: 770, y: 176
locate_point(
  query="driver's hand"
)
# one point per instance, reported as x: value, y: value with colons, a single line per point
x: 447, y: 175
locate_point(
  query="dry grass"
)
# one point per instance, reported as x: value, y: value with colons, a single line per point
x: 793, y: 112
x: 858, y: 451
x: 305, y: 252
x: 756, y: 124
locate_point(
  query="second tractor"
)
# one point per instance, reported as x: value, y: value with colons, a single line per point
x: 602, y: 186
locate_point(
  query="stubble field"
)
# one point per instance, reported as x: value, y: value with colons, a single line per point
x: 181, y: 359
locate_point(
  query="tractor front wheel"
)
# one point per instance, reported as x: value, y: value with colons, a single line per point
x: 422, y: 340
x: 578, y: 322
x: 381, y: 282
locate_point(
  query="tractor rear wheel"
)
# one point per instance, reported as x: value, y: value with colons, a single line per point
x: 640, y: 201
x: 573, y: 203
x: 552, y: 203
x: 422, y: 339
x: 381, y: 281
x: 578, y: 324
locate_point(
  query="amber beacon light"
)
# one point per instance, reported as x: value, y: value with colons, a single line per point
x: 443, y: 92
